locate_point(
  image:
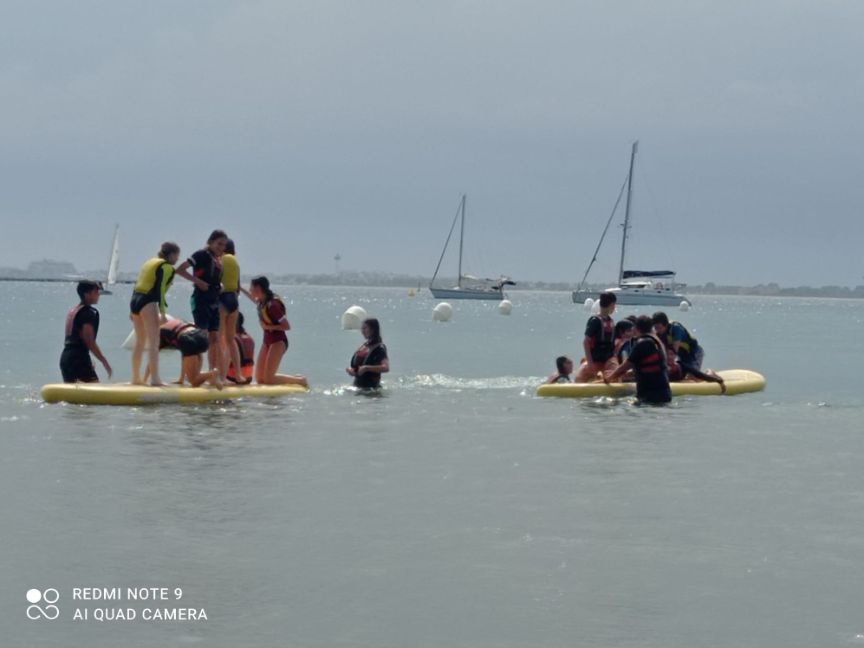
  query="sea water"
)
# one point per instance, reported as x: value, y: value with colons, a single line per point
x: 456, y: 509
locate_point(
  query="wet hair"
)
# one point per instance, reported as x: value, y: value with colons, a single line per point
x: 622, y: 327
x: 607, y: 299
x: 374, y: 330
x: 263, y: 283
x: 229, y: 247
x: 168, y: 248
x: 215, y: 235
x: 559, y: 363
x: 86, y: 287
x: 240, y: 322
x: 644, y: 324
x: 660, y: 318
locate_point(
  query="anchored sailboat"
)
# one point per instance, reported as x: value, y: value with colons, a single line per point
x: 113, y: 262
x: 467, y: 287
x: 635, y: 287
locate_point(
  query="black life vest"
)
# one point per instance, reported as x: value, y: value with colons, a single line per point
x: 653, y: 363
x: 170, y: 332
x: 73, y: 331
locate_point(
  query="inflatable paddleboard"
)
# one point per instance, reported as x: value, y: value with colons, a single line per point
x: 738, y: 381
x: 126, y: 394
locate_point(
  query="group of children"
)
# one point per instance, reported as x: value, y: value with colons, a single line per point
x: 216, y: 327
x: 650, y: 350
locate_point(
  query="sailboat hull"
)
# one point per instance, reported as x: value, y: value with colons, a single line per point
x: 466, y: 293
x: 629, y: 297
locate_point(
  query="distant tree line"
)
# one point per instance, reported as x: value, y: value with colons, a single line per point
x: 58, y: 271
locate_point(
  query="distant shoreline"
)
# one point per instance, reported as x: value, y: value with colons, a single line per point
x: 770, y: 290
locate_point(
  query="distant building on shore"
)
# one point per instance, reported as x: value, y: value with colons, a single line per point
x: 47, y: 269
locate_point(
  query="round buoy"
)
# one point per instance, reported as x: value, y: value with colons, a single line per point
x: 442, y: 312
x: 505, y: 307
x: 412, y: 293
x: 684, y: 306
x: 352, y: 319
x: 588, y: 304
x: 595, y: 308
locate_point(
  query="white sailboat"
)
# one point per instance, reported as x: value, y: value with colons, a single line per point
x: 635, y: 287
x: 113, y: 262
x: 467, y: 287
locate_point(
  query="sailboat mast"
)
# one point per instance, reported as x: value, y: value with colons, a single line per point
x: 627, y: 212
x: 114, y: 261
x: 461, y: 241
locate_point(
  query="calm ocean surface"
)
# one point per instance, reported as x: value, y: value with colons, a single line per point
x: 457, y: 509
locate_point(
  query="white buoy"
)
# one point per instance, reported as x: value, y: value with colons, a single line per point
x: 595, y: 308
x: 442, y: 312
x: 684, y: 306
x: 588, y: 304
x: 352, y: 319
x: 505, y: 307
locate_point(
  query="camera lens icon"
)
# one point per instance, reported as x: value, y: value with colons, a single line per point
x: 47, y: 611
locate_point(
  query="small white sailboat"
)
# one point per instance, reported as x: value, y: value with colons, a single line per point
x: 635, y: 287
x: 113, y: 263
x: 467, y: 287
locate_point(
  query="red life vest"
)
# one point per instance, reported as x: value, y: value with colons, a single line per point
x: 653, y: 362
x: 70, y: 320
x: 73, y: 333
x: 604, y: 344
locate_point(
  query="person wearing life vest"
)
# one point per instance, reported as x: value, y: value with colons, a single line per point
x: 599, y: 342
x: 191, y: 342
x: 148, y: 307
x: 229, y: 308
x: 82, y: 327
x: 206, y: 275
x: 370, y: 360
x: 647, y: 359
x: 245, y: 345
x: 624, y: 332
x: 274, y: 322
x: 688, y: 353
x: 564, y: 369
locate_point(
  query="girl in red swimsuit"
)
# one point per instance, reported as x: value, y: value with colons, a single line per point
x: 274, y: 322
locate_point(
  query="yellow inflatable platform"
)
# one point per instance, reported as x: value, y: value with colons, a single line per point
x: 126, y: 394
x: 738, y: 381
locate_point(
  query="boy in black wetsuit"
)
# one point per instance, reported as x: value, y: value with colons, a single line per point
x: 82, y: 326
x: 648, y: 360
x: 599, y: 341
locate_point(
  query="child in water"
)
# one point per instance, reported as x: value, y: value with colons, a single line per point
x: 370, y: 360
x: 82, y: 327
x: 564, y: 371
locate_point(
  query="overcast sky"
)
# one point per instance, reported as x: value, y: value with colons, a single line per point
x: 311, y: 128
